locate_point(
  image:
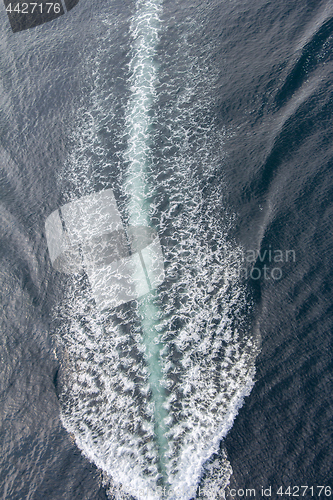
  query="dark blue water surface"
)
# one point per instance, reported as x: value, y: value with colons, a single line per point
x: 256, y: 74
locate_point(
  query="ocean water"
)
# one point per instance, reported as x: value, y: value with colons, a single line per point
x: 211, y: 122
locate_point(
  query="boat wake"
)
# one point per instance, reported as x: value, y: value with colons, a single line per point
x: 150, y: 388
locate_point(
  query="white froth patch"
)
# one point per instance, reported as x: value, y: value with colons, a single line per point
x: 197, y: 349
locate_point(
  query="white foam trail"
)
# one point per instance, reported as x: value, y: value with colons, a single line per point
x: 145, y: 30
x: 158, y: 395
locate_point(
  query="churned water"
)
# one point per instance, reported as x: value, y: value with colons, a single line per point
x: 211, y: 123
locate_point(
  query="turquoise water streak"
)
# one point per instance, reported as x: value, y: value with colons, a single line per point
x: 145, y: 30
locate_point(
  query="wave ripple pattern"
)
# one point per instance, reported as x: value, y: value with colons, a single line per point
x: 150, y: 389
